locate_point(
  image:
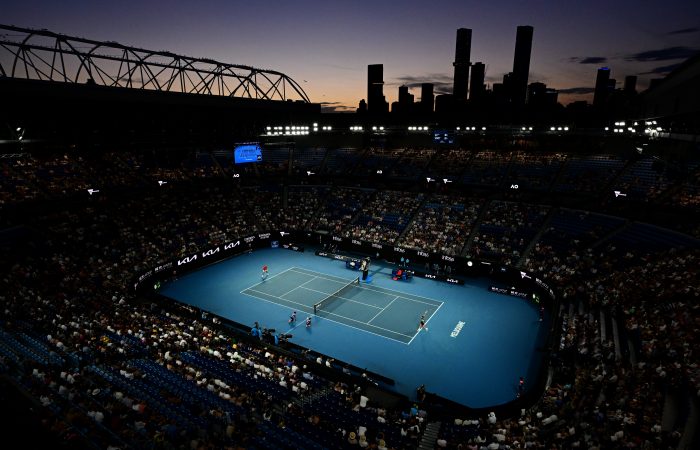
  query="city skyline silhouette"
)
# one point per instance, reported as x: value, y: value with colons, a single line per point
x: 327, y: 47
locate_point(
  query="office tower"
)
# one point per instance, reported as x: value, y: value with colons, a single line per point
x: 521, y: 64
x: 461, y: 64
x: 600, y: 94
x: 427, y: 98
x: 630, y: 84
x: 476, y: 89
x: 404, y: 97
x: 375, y: 89
x: 539, y: 96
x: 536, y: 93
x: 405, y: 102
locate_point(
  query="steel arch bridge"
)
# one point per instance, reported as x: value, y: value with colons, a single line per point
x: 44, y: 55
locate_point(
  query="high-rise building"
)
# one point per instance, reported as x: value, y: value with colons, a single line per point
x: 427, y: 98
x: 539, y: 96
x: 600, y: 94
x: 477, y: 88
x: 461, y: 64
x: 405, y: 103
x: 376, y: 102
x: 521, y: 64
x: 405, y: 98
x: 630, y: 84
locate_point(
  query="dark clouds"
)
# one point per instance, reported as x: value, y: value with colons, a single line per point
x: 577, y: 90
x: 661, y: 70
x: 663, y: 54
x: 442, y: 83
x: 331, y: 107
x: 683, y: 31
x: 589, y: 59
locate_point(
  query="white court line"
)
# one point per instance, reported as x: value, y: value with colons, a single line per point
x: 439, y: 305
x: 283, y: 299
x: 302, y: 284
x: 273, y: 276
x: 393, y: 291
x: 328, y: 312
x: 375, y: 316
x: 344, y: 298
x: 426, y: 323
x: 334, y: 321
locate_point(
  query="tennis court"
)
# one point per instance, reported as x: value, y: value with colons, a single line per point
x: 478, y: 345
x: 374, y: 309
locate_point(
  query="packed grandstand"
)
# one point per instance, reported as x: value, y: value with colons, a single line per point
x: 103, y: 367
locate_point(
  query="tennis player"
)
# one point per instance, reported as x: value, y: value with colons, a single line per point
x: 422, y: 326
x: 308, y: 322
x: 293, y: 318
x: 264, y: 273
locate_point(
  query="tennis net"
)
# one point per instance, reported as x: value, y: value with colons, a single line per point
x: 337, y: 294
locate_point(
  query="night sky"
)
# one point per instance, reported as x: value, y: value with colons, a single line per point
x: 326, y: 46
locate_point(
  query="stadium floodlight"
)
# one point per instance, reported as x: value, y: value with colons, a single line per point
x: 606, y: 128
x: 566, y: 128
x: 315, y: 124
x: 381, y: 128
x: 269, y: 128
x: 530, y: 128
x: 552, y: 128
x: 469, y: 263
x: 635, y: 124
x: 559, y: 129
x: 457, y: 128
x: 374, y: 128
x: 474, y: 128
x: 658, y: 128
x: 482, y: 128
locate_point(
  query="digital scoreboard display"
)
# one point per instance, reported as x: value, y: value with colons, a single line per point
x: 443, y: 137
x: 247, y: 153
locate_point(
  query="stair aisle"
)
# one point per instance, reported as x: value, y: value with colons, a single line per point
x: 430, y: 436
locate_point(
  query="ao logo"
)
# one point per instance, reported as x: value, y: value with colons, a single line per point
x: 457, y: 329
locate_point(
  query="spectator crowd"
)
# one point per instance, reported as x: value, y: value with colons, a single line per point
x: 120, y: 371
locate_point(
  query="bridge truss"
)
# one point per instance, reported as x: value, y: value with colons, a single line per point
x: 44, y: 55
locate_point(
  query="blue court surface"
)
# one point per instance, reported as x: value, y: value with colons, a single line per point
x: 476, y: 346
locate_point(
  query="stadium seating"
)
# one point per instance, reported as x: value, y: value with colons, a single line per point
x: 115, y: 371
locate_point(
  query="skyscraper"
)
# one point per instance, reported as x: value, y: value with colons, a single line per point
x: 521, y: 64
x: 404, y: 96
x: 405, y: 103
x: 630, y: 84
x: 600, y: 94
x: 476, y: 88
x: 461, y: 64
x: 375, y: 89
x: 427, y: 98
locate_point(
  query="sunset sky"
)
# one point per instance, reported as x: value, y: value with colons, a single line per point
x: 326, y: 46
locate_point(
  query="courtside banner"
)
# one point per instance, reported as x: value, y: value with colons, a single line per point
x: 213, y: 254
